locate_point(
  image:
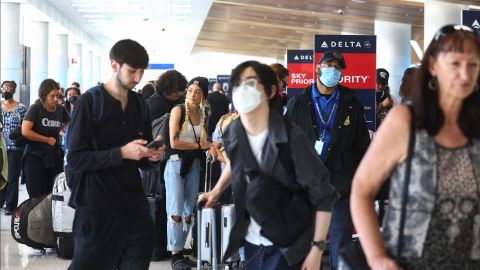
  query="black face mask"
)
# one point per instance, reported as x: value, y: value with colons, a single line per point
x: 7, y: 95
x: 72, y: 99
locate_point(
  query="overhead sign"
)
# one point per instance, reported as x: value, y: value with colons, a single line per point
x: 471, y: 18
x: 300, y: 69
x: 223, y: 80
x: 359, y: 53
x: 161, y: 66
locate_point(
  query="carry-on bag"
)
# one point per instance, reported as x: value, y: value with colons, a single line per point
x: 32, y: 223
x: 62, y: 215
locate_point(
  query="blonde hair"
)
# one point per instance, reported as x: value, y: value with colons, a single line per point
x: 204, y: 108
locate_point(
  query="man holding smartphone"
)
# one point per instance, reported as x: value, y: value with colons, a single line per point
x: 112, y: 226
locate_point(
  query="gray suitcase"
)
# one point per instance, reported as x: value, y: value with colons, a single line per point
x: 227, y: 222
x: 213, y: 222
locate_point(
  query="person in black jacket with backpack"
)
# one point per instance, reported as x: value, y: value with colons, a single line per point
x: 334, y: 121
x: 262, y: 147
x: 112, y: 226
x: 168, y: 93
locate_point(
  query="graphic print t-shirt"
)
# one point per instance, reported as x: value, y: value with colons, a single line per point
x: 47, y: 123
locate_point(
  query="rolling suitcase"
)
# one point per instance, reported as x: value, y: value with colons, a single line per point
x: 212, y: 223
x: 152, y: 182
x: 62, y: 215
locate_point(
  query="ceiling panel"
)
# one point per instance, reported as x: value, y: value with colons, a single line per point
x: 236, y: 25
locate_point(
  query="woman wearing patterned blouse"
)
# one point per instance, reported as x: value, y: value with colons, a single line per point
x: 442, y: 218
x: 12, y: 113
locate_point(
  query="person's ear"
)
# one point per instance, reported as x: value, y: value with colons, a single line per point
x: 115, y: 66
x: 274, y: 91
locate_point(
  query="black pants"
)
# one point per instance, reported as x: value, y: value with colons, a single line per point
x: 10, y: 192
x: 107, y: 242
x: 39, y: 179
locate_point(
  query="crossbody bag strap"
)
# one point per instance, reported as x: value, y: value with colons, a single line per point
x: 408, y: 166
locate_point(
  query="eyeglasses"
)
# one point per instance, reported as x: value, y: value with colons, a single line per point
x: 448, y: 29
x: 252, y: 82
x: 7, y: 88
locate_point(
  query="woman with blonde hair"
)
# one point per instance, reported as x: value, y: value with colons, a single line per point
x: 188, y: 140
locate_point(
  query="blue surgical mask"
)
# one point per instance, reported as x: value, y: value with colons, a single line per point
x: 330, y: 76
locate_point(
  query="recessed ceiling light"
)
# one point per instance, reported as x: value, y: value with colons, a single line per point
x: 339, y: 11
x: 359, y: 1
x: 146, y: 19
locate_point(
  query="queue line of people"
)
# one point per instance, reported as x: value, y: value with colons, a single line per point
x: 331, y: 161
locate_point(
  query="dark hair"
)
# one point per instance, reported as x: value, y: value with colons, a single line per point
x: 265, y: 74
x: 147, y: 90
x: 12, y: 82
x: 72, y: 88
x: 130, y: 52
x: 425, y: 101
x: 76, y: 84
x: 407, y: 75
x: 169, y: 81
x: 46, y: 87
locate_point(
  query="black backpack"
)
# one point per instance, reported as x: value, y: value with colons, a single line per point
x: 161, y: 125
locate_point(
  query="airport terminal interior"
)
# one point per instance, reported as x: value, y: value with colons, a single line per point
x: 69, y: 41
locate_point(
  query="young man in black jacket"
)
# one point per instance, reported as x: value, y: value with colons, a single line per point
x: 112, y: 227
x: 334, y: 120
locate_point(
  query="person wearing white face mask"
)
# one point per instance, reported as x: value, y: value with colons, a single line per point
x: 334, y: 121
x: 264, y: 149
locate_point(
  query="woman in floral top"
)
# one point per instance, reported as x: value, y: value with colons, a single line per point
x: 12, y: 113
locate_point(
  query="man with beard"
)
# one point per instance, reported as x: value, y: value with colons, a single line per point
x: 334, y: 120
x: 112, y: 226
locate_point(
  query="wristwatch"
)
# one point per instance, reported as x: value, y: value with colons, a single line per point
x: 322, y: 244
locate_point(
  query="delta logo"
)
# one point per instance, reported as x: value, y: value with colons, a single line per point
x: 345, y: 44
x: 303, y: 57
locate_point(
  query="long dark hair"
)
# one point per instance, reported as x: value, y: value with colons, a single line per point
x: 426, y: 102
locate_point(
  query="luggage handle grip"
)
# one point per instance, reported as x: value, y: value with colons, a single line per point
x: 207, y: 235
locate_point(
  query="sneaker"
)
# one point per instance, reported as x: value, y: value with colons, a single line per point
x: 181, y: 264
x: 190, y: 262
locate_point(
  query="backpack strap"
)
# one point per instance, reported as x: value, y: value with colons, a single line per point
x: 98, y: 101
x: 284, y: 154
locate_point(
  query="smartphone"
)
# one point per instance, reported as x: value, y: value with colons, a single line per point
x: 154, y: 144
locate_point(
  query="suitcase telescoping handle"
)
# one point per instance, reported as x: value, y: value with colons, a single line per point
x: 208, y: 172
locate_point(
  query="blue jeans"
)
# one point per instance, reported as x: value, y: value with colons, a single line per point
x: 266, y: 258
x: 341, y: 229
x: 181, y: 199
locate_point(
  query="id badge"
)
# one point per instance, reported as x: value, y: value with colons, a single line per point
x: 319, y: 147
x: 174, y: 157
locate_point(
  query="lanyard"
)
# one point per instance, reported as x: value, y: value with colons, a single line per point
x: 326, y: 122
x: 197, y: 140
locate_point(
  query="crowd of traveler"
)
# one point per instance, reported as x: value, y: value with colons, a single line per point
x: 303, y: 172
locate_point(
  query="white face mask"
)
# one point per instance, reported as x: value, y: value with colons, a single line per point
x: 246, y: 97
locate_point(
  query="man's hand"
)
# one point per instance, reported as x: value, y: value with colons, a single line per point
x: 157, y: 154
x: 313, y: 259
x: 135, y: 150
x: 384, y: 263
x: 210, y: 198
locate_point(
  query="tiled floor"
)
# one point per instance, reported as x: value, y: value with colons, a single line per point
x: 17, y: 256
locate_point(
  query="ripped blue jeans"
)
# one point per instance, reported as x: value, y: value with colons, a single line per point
x: 181, y: 199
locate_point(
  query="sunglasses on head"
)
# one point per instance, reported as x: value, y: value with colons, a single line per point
x: 448, y: 29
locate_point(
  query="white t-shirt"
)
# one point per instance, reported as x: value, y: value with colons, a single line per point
x: 253, y: 233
